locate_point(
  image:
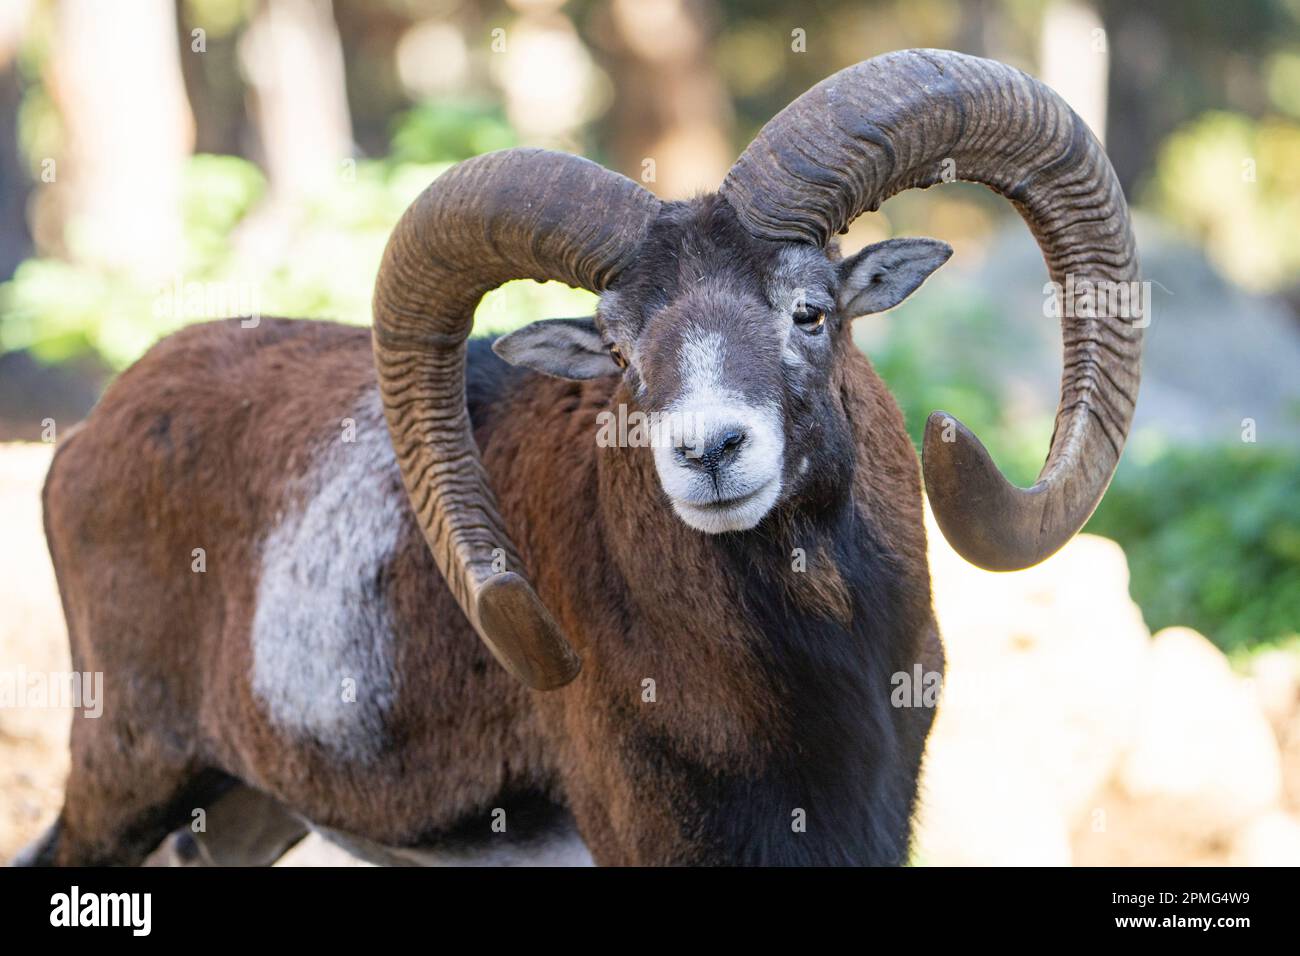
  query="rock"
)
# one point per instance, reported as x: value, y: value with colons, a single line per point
x: 981, y: 807
x: 1203, y: 750
x: 33, y: 740
x: 1065, y: 732
x: 1272, y: 839
x: 1289, y: 742
x: 313, y: 850
x: 1045, y: 669
x: 1275, y: 680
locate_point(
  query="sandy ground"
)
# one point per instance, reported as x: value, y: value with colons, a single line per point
x: 33, y: 742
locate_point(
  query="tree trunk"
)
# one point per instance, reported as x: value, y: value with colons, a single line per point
x: 294, y: 62
x: 15, y: 239
x: 671, y: 127
x: 117, y: 82
x: 1074, y: 58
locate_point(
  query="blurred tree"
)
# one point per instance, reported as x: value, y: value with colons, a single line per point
x: 552, y: 89
x: 1073, y: 58
x: 116, y: 80
x: 1174, y: 59
x: 294, y: 63
x: 208, y: 44
x: 15, y: 239
x: 293, y: 60
x: 1233, y: 184
x: 672, y: 126
x: 371, y: 34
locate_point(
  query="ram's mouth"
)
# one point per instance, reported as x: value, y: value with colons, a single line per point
x: 739, y: 513
x: 725, y: 504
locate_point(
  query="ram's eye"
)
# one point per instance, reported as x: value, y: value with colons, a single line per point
x: 810, y: 320
x: 617, y: 355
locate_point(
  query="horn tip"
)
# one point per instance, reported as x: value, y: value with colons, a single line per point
x: 522, y: 635
x: 987, y: 520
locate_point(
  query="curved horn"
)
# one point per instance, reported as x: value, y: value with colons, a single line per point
x: 914, y: 118
x: 514, y: 214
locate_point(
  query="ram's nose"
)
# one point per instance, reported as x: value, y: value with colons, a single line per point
x: 714, y: 452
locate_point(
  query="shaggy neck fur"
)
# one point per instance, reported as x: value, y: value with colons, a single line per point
x: 769, y: 738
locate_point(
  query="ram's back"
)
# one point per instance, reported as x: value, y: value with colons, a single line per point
x: 153, y: 506
x: 235, y: 548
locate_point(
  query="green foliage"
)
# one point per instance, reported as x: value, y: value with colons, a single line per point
x: 217, y: 193
x: 1212, y: 535
x: 325, y: 254
x: 448, y: 133
x: 1234, y: 182
x: 949, y: 350
x: 1213, y: 540
x: 61, y: 310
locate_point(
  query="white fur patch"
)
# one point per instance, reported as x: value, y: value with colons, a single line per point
x: 749, y: 484
x: 322, y: 637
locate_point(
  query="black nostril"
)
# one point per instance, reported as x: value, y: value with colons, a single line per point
x: 711, y: 456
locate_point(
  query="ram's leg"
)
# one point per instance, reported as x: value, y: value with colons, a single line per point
x: 242, y: 827
x: 40, y: 852
x: 127, y: 789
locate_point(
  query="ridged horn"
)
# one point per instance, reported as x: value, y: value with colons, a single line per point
x: 513, y: 214
x: 918, y: 117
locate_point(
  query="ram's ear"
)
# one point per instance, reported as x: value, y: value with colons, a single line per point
x: 564, y: 348
x: 884, y: 274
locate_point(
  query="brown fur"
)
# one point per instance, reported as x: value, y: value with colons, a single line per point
x: 190, y: 447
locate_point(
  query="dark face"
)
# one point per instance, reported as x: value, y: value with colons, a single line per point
x: 729, y: 344
x: 732, y: 342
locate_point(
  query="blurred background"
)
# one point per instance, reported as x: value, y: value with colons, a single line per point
x: 1133, y: 700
